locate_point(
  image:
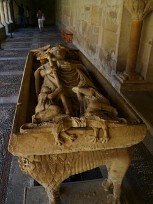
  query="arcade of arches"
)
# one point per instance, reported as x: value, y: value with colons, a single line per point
x: 116, y: 36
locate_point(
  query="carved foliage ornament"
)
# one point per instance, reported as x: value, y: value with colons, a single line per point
x: 138, y: 8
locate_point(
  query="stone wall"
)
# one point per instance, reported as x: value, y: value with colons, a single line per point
x: 101, y: 31
x: 96, y: 27
x: 145, y: 61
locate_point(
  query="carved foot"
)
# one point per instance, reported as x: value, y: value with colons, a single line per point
x: 34, y: 120
x: 70, y: 137
x: 95, y: 139
x: 112, y: 200
x: 100, y: 139
x: 59, y: 141
x: 107, y: 184
x: 96, y: 135
x: 104, y: 139
x: 54, y: 197
x: 54, y: 201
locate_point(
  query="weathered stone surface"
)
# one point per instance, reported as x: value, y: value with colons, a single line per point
x: 113, y: 21
x: 9, y: 85
x: 30, y: 141
x: 16, y: 53
x: 104, y: 15
x: 12, y: 65
x: 90, y: 192
x: 79, y: 125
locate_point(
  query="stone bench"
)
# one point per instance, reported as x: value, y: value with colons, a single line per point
x: 67, y: 35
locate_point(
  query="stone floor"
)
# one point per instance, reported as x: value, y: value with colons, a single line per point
x: 12, y: 59
x: 12, y: 182
x: 90, y: 192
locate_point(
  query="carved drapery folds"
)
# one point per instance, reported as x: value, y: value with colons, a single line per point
x: 138, y: 10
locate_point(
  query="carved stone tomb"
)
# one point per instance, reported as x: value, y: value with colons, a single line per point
x: 64, y: 124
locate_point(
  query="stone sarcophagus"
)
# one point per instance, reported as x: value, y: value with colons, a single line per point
x: 64, y: 124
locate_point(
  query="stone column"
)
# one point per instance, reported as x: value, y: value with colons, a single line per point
x: 9, y: 12
x: 138, y: 10
x: 6, y: 11
x: 2, y: 12
x: 3, y: 16
x: 1, y: 25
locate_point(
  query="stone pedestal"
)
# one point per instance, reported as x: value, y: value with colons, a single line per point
x: 121, y: 84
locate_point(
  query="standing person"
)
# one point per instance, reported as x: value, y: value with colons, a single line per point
x: 40, y: 19
x: 21, y: 15
x: 27, y: 16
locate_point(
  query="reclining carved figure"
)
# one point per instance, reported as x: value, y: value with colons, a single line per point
x: 67, y: 91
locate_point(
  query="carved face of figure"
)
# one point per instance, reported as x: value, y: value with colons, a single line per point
x: 43, y: 61
x: 58, y: 52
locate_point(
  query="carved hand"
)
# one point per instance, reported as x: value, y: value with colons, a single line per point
x: 55, y: 93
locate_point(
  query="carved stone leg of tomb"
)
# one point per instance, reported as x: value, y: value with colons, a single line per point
x: 51, y: 170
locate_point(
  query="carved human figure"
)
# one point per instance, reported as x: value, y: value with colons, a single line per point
x: 66, y: 88
x: 67, y: 95
x: 55, y: 95
x: 50, y: 91
x: 94, y: 101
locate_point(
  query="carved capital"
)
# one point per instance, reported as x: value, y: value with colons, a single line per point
x: 138, y: 8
